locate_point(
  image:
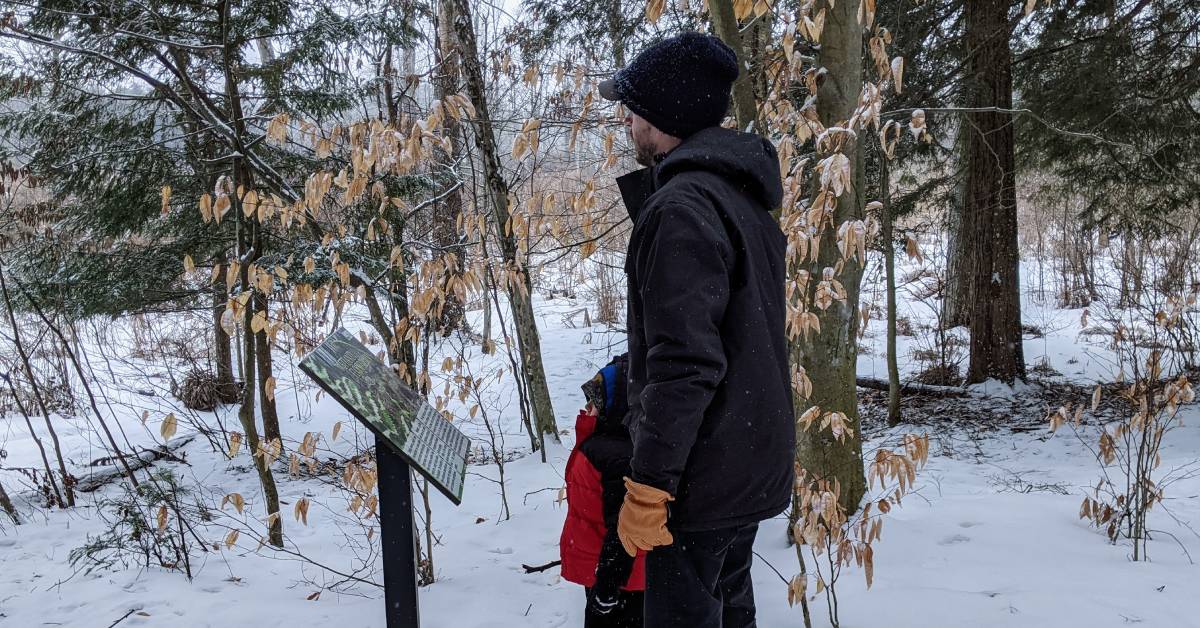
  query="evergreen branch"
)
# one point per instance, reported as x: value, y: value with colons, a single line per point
x: 168, y: 43
x: 1013, y: 112
x: 124, y: 151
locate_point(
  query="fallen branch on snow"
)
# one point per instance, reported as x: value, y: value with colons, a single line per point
x: 913, y: 388
x: 137, y: 462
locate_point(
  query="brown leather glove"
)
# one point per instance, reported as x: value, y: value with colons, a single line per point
x: 642, y: 524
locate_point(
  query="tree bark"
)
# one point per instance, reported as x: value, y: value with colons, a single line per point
x: 614, y: 32
x: 957, y: 299
x: 1131, y: 273
x: 446, y: 213
x: 830, y: 357
x: 519, y: 295
x: 487, y: 311
x: 725, y: 25
x: 401, y: 350
x: 889, y: 262
x: 227, y: 390
x: 265, y: 364
x: 996, y: 344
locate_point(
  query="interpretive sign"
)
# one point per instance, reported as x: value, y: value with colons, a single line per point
x: 407, y: 431
x: 377, y: 397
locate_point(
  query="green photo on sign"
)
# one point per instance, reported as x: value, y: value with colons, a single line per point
x: 379, y: 399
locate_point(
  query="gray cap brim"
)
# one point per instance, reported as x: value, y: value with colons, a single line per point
x: 608, y: 90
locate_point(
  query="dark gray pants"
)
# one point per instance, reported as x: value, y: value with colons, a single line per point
x: 702, y: 580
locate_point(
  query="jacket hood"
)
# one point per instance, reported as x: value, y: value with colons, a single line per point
x: 744, y: 159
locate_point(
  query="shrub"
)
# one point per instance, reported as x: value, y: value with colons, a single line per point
x: 147, y: 526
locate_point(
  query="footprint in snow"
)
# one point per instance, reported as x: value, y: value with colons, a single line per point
x: 954, y: 539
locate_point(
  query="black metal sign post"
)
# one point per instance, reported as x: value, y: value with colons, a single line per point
x: 397, y: 536
x: 409, y: 433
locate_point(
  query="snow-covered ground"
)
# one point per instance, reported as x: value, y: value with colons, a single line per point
x: 991, y: 537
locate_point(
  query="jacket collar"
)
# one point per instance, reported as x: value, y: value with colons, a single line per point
x: 636, y: 187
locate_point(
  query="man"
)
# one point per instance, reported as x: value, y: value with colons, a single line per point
x: 709, y: 388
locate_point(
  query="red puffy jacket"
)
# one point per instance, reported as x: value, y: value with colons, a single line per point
x: 584, y: 530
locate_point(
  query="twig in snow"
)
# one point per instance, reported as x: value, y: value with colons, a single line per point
x: 124, y: 617
x: 1181, y: 545
x: 525, y: 501
x: 768, y: 563
x: 541, y: 568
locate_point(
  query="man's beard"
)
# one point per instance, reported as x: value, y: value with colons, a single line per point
x: 644, y: 153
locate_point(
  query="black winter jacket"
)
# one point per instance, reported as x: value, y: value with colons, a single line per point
x: 710, y: 400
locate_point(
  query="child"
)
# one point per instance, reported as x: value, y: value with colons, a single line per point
x: 592, y: 554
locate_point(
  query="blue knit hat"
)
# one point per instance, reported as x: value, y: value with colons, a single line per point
x: 680, y: 85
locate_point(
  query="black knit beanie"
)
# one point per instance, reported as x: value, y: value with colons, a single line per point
x: 680, y: 85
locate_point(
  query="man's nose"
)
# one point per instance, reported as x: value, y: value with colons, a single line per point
x: 628, y: 121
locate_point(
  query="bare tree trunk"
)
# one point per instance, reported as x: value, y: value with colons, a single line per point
x: 1084, y: 254
x: 428, y: 575
x: 201, y: 154
x: 830, y: 356
x: 266, y: 367
x: 1138, y: 265
x: 67, y: 478
x: 405, y: 349
x: 519, y: 288
x: 487, y: 309
x: 262, y: 342
x: 535, y: 443
x: 447, y: 212
x: 1093, y: 292
x: 996, y: 343
x: 380, y: 323
x: 889, y: 262
x: 1041, y: 256
x: 400, y: 350
x: 1068, y: 277
x: 956, y: 302
x: 725, y: 25
x: 614, y: 32
x: 262, y: 461
x: 426, y: 567
x: 227, y: 390
x: 249, y: 250
x: 759, y: 44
